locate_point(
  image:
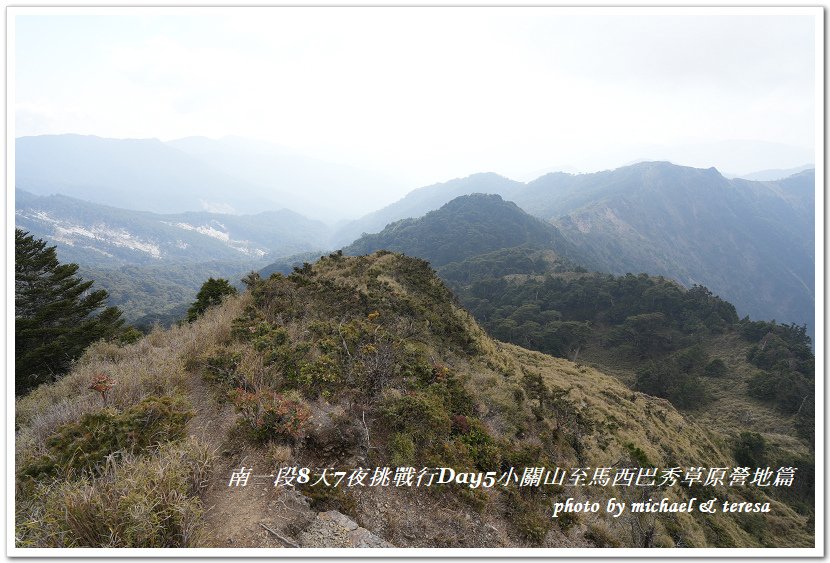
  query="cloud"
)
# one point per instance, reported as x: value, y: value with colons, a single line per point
x: 423, y: 93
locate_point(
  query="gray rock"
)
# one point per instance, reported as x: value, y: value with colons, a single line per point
x: 334, y: 529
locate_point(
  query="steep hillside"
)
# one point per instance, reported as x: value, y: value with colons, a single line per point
x: 466, y: 226
x: 749, y: 242
x: 419, y: 202
x: 160, y: 293
x: 657, y: 332
x: 355, y: 362
x: 753, y: 381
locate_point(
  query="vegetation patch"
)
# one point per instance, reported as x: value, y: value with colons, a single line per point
x: 268, y: 415
x: 147, y: 501
x: 84, y: 445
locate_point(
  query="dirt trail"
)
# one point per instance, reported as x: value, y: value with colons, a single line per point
x: 235, y: 515
x: 261, y: 515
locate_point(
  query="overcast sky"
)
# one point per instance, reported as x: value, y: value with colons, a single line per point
x: 428, y: 94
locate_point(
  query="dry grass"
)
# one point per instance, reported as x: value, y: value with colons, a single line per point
x: 145, y: 501
x: 142, y: 501
x: 620, y: 415
x: 152, y: 366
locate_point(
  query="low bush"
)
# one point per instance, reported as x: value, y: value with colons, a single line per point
x: 484, y: 451
x: 531, y: 522
x: 715, y: 368
x: 419, y: 414
x: 268, y: 415
x: 84, y: 445
x: 750, y: 450
x: 401, y: 450
x: 222, y: 368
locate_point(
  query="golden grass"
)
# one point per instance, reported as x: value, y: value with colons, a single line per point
x: 137, y: 501
x: 56, y: 513
x: 152, y: 366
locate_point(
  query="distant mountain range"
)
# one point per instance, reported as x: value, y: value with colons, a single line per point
x: 229, y: 175
x: 101, y: 235
x: 771, y: 174
x: 125, y: 203
x: 752, y: 243
x: 749, y: 242
x: 151, y: 264
x: 418, y: 202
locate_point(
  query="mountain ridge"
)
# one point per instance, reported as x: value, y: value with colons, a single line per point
x: 370, y: 364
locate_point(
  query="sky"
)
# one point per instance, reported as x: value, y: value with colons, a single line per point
x: 428, y: 94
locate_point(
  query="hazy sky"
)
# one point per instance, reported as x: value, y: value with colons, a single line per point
x: 427, y: 94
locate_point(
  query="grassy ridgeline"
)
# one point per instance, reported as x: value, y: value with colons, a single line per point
x: 356, y: 347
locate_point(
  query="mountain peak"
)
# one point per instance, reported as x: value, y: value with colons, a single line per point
x: 468, y: 225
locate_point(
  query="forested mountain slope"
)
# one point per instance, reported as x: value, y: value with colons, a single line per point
x: 423, y: 200
x: 99, y: 235
x: 749, y: 242
x: 465, y: 227
x: 753, y: 381
x: 153, y: 264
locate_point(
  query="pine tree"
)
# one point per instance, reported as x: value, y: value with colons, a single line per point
x: 211, y: 293
x: 56, y: 316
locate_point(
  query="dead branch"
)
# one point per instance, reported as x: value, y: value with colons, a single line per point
x: 284, y: 540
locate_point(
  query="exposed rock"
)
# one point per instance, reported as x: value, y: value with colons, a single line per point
x: 332, y: 433
x: 333, y: 529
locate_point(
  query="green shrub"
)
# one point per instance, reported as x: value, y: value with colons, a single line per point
x: 83, y: 445
x: 638, y: 456
x: 715, y: 368
x: 320, y: 376
x: 483, y: 449
x: 787, y: 389
x: 221, y: 368
x: 419, y: 414
x: 691, y: 360
x: 401, y: 450
x: 451, y: 453
x: 666, y: 379
x: 530, y: 520
x: 750, y: 451
x: 212, y: 292
x: 268, y: 336
x: 130, y: 335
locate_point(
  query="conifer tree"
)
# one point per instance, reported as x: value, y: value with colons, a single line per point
x: 57, y: 314
x: 211, y: 293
